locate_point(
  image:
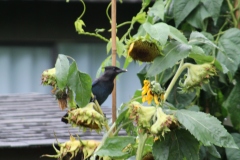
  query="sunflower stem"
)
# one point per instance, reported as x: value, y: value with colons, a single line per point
x: 181, y: 68
x: 142, y: 140
x: 98, y: 108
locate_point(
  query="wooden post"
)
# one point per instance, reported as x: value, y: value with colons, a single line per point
x: 114, y: 53
x: 237, y: 4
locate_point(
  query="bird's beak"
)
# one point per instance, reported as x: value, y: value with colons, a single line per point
x: 122, y: 70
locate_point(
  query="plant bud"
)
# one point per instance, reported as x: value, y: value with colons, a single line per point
x: 163, y: 123
x: 86, y: 117
x: 89, y: 146
x: 196, y: 76
x: 70, y: 147
x: 142, y: 115
x: 49, y: 77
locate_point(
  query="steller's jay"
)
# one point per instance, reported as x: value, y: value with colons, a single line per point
x: 103, y: 86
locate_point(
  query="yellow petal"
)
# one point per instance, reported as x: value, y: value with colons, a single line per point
x: 144, y: 91
x: 130, y: 48
x: 143, y: 99
x: 162, y: 97
x: 146, y: 82
x: 156, y: 99
x: 149, y: 97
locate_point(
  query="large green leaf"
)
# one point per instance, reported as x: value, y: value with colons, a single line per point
x: 173, y: 52
x: 165, y: 76
x: 179, y: 100
x: 213, y: 7
x: 81, y: 84
x: 199, y: 38
x: 205, y: 128
x: 62, y: 66
x: 123, y: 120
x: 208, y: 49
x: 157, y: 10
x: 177, y: 35
x: 197, y: 17
x: 229, y: 55
x: 232, y: 104
x: 114, y: 146
x: 182, y: 8
x: 142, y: 73
x: 200, y: 59
x: 209, y: 153
x: 234, y: 154
x: 176, y: 145
x: 158, y: 31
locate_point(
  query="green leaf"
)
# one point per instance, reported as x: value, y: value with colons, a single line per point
x: 122, y: 115
x: 177, y: 35
x: 207, y: 48
x: 179, y: 100
x: 109, y: 46
x: 157, y: 10
x: 205, y: 128
x: 213, y: 151
x: 199, y: 38
x: 213, y: 7
x: 210, y: 153
x: 138, y: 96
x: 106, y: 62
x: 120, y: 47
x: 229, y: 54
x: 158, y: 31
x: 173, y: 52
x: 98, y: 30
x: 166, y: 75
x: 234, y: 154
x: 197, y: 17
x: 81, y: 84
x: 182, y: 8
x: 141, y: 17
x: 142, y: 73
x: 176, y: 145
x: 114, y: 146
x: 146, y: 2
x: 232, y: 104
x: 200, y: 59
x: 197, y: 50
x: 62, y: 66
x: 123, y: 120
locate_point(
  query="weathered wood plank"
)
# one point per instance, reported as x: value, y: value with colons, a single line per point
x: 32, y: 119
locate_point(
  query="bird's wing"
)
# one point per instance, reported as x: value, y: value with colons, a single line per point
x: 95, y: 82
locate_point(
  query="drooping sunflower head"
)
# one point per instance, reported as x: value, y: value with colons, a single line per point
x: 143, y: 49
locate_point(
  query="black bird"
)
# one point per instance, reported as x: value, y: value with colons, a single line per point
x: 103, y: 86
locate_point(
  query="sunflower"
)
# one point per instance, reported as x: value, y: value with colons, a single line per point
x: 143, y: 49
x: 152, y: 91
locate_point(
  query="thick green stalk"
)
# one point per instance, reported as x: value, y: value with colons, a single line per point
x: 231, y: 10
x: 141, y: 144
x: 181, y: 68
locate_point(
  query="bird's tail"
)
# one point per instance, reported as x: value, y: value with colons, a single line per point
x: 64, y: 118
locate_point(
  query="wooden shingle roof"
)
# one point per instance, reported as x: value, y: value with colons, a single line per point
x: 31, y: 119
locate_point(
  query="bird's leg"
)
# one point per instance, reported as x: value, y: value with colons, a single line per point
x: 93, y: 98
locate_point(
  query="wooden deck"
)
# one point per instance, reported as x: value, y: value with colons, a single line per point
x: 30, y: 120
